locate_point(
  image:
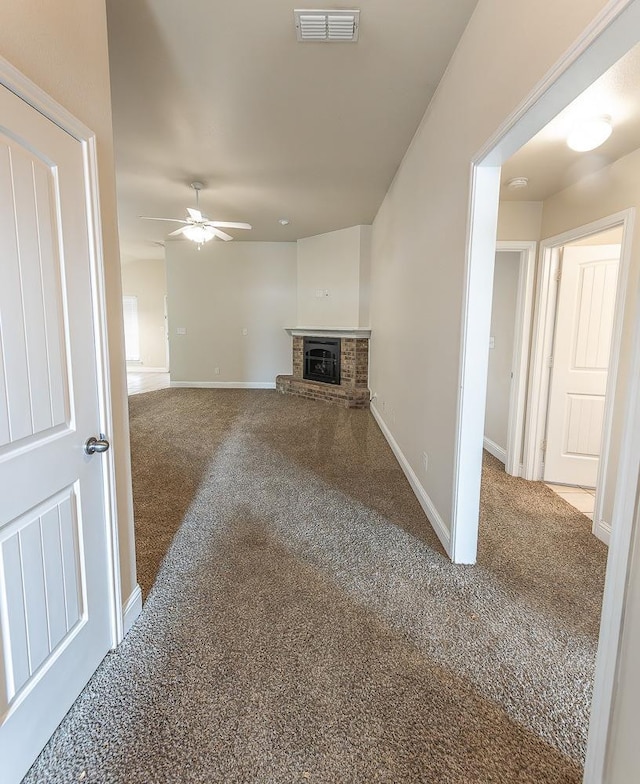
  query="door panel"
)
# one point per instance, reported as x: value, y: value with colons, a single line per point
x: 42, y: 584
x: 584, y: 420
x: 35, y: 380
x: 582, y: 345
x: 54, y: 581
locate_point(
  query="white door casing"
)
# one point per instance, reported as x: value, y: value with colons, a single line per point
x: 521, y: 342
x: 582, y: 347
x: 610, y: 36
x: 56, y: 581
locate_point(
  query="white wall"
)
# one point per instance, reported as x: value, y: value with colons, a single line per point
x: 418, y: 250
x: 519, y: 220
x: 364, y: 310
x: 215, y: 293
x: 337, y: 263
x: 146, y: 280
x: 419, y: 234
x: 503, y: 314
x: 62, y: 47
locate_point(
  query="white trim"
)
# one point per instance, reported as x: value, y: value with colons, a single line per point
x: 494, y: 449
x: 613, y: 604
x: 433, y: 516
x: 521, y: 343
x: 628, y: 222
x: 133, y: 368
x: 475, y: 326
x: 25, y: 89
x: 132, y: 609
x: 224, y: 384
x: 165, y: 325
x: 613, y: 32
x: 539, y: 375
x: 610, y: 35
x: 602, y: 530
x: 329, y: 332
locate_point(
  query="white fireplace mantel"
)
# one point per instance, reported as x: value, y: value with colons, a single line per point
x: 329, y: 332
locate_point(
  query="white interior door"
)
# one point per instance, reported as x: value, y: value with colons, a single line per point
x: 582, y: 344
x: 55, y: 622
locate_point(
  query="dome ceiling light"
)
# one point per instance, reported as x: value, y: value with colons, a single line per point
x: 589, y: 134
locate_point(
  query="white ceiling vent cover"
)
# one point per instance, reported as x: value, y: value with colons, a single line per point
x: 313, y: 25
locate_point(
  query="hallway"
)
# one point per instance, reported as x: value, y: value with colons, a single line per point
x: 302, y: 622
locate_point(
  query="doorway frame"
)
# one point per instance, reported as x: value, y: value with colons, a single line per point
x: 17, y: 83
x: 543, y: 343
x: 521, y: 343
x: 611, y: 34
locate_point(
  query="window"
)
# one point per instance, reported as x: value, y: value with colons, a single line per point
x: 131, y: 332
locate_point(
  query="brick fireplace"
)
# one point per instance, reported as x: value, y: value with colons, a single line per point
x: 353, y: 389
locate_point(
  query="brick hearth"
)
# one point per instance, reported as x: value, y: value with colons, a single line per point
x: 353, y: 390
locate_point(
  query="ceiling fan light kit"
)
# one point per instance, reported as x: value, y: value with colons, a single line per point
x: 197, y: 227
x: 199, y: 234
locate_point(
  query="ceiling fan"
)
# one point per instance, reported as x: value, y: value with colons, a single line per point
x: 197, y: 227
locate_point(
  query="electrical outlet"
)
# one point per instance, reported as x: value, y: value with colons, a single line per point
x: 425, y: 461
x: 216, y: 371
x: 319, y: 293
x: 181, y: 330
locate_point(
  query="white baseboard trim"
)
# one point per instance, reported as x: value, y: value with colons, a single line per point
x: 225, y: 384
x: 146, y: 369
x: 131, y: 609
x: 437, y: 523
x: 495, y: 450
x: 602, y: 531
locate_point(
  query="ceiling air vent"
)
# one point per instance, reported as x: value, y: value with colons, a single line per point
x: 313, y: 25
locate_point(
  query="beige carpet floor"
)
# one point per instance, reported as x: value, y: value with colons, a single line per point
x: 302, y: 622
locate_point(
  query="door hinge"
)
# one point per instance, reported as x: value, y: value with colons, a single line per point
x: 543, y: 445
x: 558, y: 274
x: 550, y: 362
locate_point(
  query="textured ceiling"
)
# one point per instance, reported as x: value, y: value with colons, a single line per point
x: 547, y: 161
x: 222, y: 92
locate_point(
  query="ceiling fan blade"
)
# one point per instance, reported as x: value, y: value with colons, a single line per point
x: 177, y: 231
x: 171, y: 220
x: 229, y: 225
x: 195, y: 215
x: 223, y: 235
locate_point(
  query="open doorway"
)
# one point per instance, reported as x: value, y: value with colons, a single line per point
x: 569, y: 360
x: 586, y: 63
x: 587, y: 282
x: 575, y: 361
x: 144, y: 284
x: 509, y: 352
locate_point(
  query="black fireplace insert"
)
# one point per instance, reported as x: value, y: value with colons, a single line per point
x: 322, y: 360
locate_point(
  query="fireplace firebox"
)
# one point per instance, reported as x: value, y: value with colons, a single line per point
x: 322, y: 360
